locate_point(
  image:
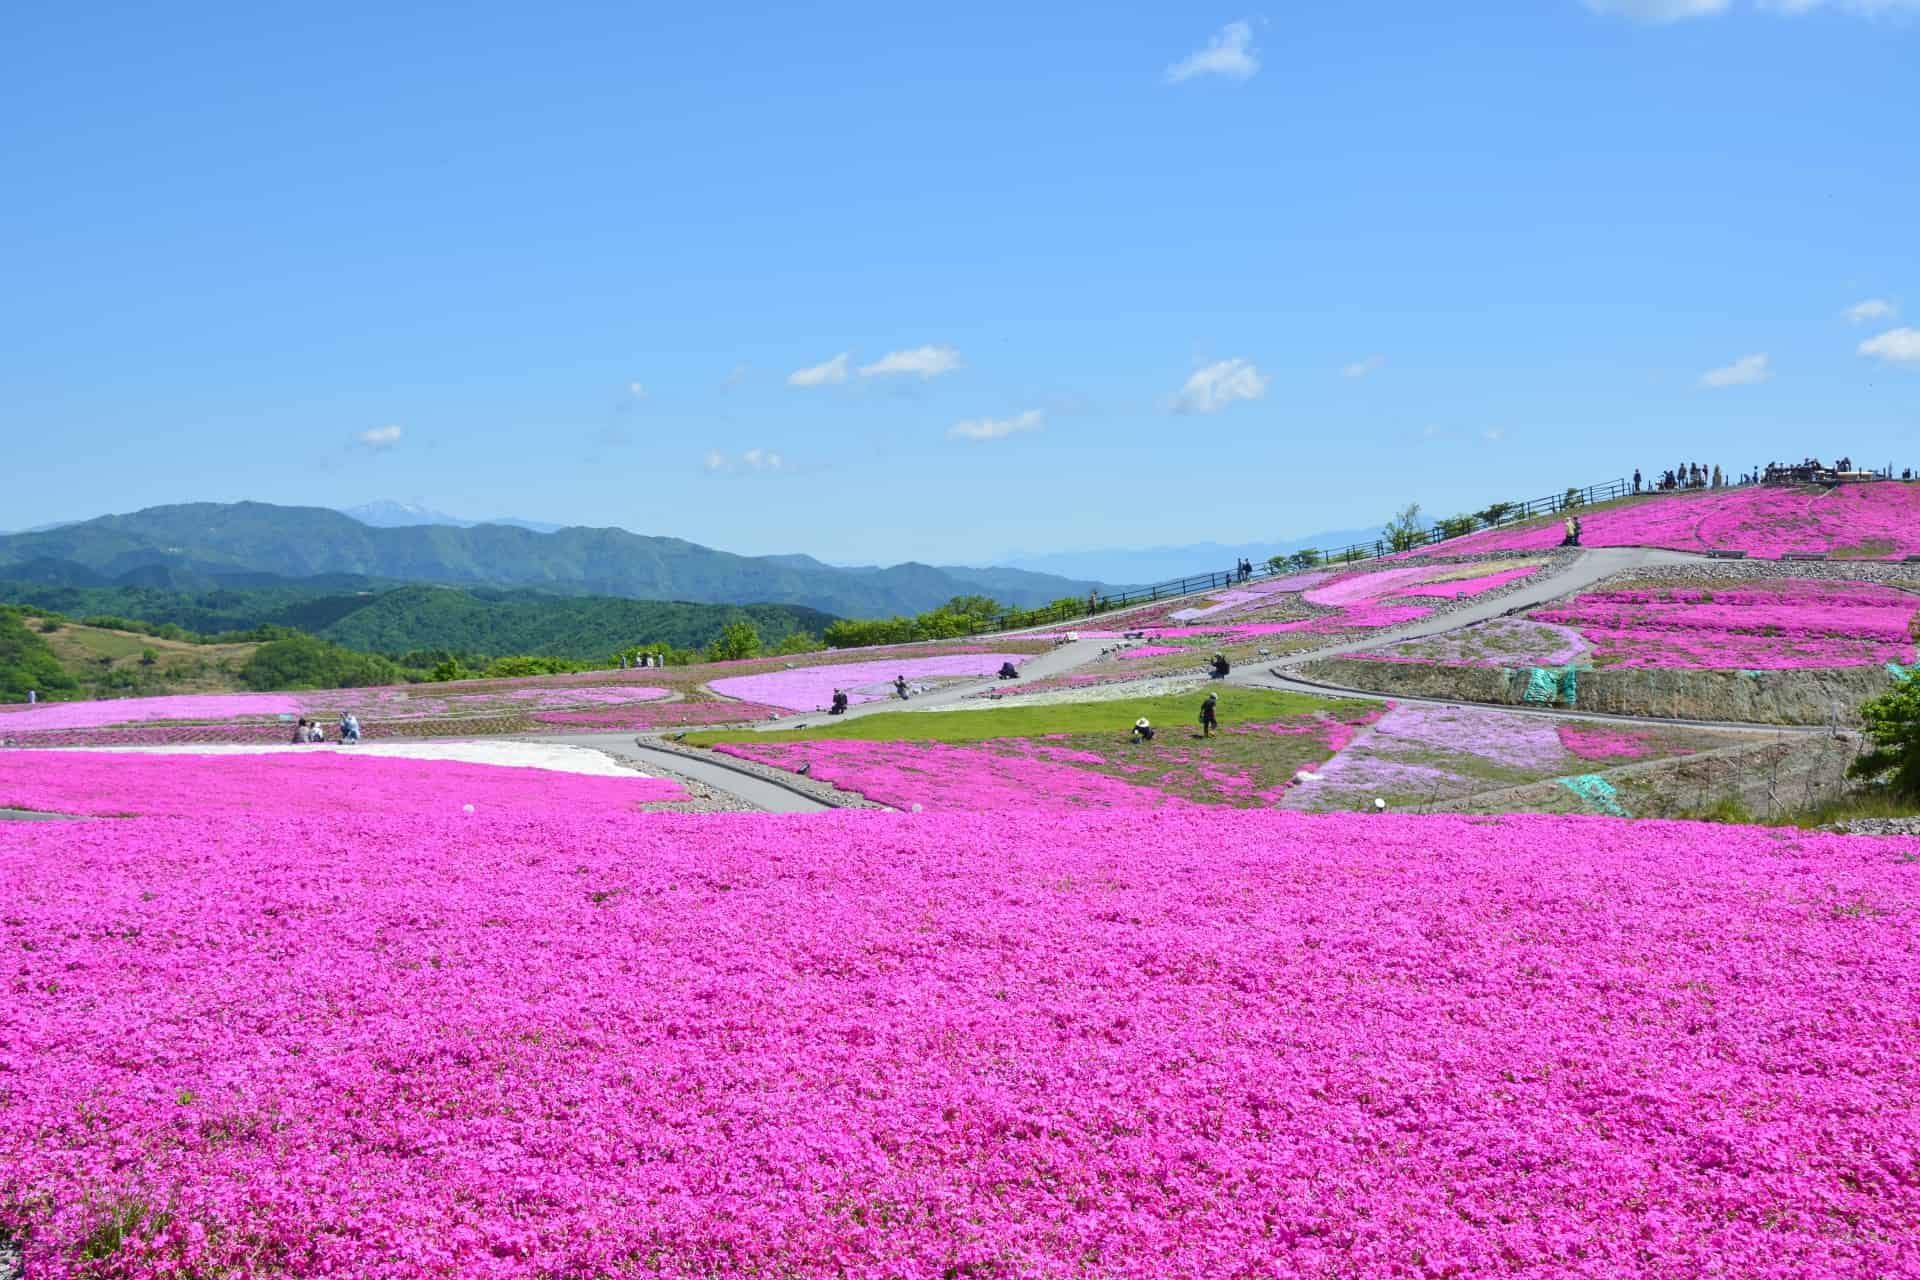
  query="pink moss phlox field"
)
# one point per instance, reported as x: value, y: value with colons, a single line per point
x: 1460, y: 587
x: 612, y: 697
x: 658, y: 715
x: 1397, y: 754
x: 1497, y: 642
x: 1599, y: 742
x: 1252, y: 596
x: 1874, y: 520
x: 1010, y: 775
x: 290, y: 784
x: 1135, y: 1046
x: 811, y: 688
x: 1152, y: 651
x: 1771, y: 626
x: 111, y: 711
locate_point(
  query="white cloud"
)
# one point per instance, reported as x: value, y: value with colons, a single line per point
x: 820, y: 375
x: 1230, y: 54
x: 923, y: 362
x: 638, y: 390
x: 1494, y: 435
x: 1895, y: 346
x: 1871, y: 309
x: 746, y: 460
x: 380, y: 437
x: 1219, y: 385
x: 996, y: 428
x: 1745, y: 371
x: 1361, y: 368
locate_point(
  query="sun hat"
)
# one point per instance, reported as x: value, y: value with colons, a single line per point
x: 1141, y: 723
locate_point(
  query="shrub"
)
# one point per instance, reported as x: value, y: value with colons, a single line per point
x: 1893, y: 723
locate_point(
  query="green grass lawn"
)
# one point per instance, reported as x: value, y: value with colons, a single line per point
x: 1113, y: 719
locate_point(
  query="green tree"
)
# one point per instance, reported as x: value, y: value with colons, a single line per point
x: 1893, y: 723
x: 308, y: 662
x: 148, y: 657
x: 1456, y: 526
x: 738, y: 640
x: 1407, y: 530
x: 798, y: 642
x: 26, y: 663
x: 1303, y: 559
x: 1570, y: 499
x: 1494, y: 513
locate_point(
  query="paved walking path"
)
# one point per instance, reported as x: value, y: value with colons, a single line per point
x: 750, y: 787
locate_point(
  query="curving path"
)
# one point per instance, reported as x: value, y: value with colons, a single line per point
x: 1589, y: 568
x: 760, y: 792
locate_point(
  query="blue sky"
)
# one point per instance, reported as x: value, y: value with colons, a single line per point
x: 1064, y: 277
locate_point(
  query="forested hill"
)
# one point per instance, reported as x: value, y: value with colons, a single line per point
x: 399, y: 620
x: 206, y: 544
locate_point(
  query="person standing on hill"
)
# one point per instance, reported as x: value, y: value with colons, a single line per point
x: 1093, y: 602
x: 1209, y: 715
x: 1636, y: 479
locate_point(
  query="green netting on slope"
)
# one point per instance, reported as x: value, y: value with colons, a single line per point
x: 1548, y: 685
x: 1899, y: 672
x: 1596, y: 792
x: 1749, y: 675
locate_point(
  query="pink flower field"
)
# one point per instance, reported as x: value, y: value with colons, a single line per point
x: 1870, y: 521
x: 811, y: 688
x: 1128, y: 1044
x: 1760, y: 625
x: 112, y: 711
x: 289, y: 785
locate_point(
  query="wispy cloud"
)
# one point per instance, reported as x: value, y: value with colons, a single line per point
x: 1230, y: 53
x: 921, y: 362
x: 735, y: 376
x: 1743, y: 372
x: 1665, y: 11
x: 638, y: 390
x: 379, y: 438
x: 1870, y: 310
x: 1361, y: 368
x: 821, y: 375
x: 1895, y: 346
x: 1219, y: 385
x: 1659, y: 10
x: 1494, y: 435
x: 745, y: 460
x: 996, y: 428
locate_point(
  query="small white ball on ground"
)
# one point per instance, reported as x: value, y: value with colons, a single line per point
x: 1379, y: 805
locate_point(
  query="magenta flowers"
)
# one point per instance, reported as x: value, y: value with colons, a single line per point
x: 1128, y: 1045
x: 89, y: 715
x: 1874, y: 521
x: 1762, y: 625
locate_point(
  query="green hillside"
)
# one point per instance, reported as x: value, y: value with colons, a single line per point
x: 205, y: 544
x: 397, y: 620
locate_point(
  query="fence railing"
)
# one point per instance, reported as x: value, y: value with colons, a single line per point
x: 1109, y: 602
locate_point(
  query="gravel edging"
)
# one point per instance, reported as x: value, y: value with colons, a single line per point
x: 1877, y: 827
x: 813, y: 788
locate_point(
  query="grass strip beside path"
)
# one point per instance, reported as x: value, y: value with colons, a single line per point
x: 1238, y: 705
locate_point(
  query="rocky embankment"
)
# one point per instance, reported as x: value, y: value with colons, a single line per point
x: 1797, y: 697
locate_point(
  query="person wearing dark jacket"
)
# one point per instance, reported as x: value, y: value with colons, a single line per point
x: 1210, y: 715
x: 839, y: 707
x: 1220, y: 666
x: 1142, y: 731
x: 1008, y: 671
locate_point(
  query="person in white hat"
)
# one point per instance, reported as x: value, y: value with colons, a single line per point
x: 1142, y: 731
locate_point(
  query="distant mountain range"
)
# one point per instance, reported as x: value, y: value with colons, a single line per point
x: 1159, y: 564
x: 388, y: 514
x: 206, y: 546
